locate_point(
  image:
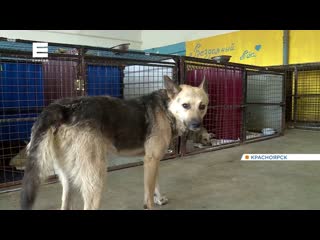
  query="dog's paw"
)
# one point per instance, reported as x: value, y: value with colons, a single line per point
x: 145, y: 207
x: 161, y: 201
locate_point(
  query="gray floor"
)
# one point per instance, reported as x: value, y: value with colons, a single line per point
x: 216, y: 180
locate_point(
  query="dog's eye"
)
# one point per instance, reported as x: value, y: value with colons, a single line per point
x: 186, y: 105
x: 202, y: 106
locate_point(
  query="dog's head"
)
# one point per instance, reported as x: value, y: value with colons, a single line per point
x: 188, y: 104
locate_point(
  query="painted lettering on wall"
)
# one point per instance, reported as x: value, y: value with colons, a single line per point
x: 256, y: 47
x: 200, y: 52
x: 251, y: 54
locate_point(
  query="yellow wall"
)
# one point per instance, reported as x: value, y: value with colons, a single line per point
x: 265, y: 47
x: 304, y: 46
x: 257, y: 47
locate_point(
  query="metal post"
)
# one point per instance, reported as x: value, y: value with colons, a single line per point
x: 82, y: 73
x: 295, y: 96
x: 283, y: 105
x: 181, y: 79
x: 244, y: 107
x: 285, y: 47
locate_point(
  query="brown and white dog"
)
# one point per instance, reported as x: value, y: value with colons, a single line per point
x: 75, y: 135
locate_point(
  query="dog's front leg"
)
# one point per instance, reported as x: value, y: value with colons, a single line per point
x: 151, y: 166
x: 158, y: 198
x: 155, y: 148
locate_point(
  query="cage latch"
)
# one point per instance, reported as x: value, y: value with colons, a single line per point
x: 79, y: 85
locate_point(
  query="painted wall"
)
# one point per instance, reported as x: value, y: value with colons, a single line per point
x: 100, y: 38
x: 175, y: 49
x: 257, y: 47
x: 304, y: 46
x: 138, y: 39
x: 160, y: 38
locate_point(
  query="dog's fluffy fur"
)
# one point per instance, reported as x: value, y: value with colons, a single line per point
x: 75, y: 135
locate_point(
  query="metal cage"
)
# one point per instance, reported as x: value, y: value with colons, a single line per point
x: 27, y: 85
x: 246, y: 103
x: 303, y: 95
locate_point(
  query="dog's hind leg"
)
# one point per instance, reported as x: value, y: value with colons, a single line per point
x: 92, y: 176
x: 92, y: 199
x: 92, y: 190
x: 85, y: 164
x: 67, y: 191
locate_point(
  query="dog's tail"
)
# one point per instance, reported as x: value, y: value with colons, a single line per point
x: 40, y: 152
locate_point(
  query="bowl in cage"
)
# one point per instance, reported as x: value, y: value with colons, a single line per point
x: 221, y: 58
x: 268, y: 131
x: 122, y: 47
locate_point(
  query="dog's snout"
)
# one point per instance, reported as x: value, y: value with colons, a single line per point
x: 194, y: 125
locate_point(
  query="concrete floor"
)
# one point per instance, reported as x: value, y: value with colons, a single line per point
x: 215, y: 180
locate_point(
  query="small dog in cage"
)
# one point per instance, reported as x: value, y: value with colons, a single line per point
x: 200, y: 137
x: 75, y: 135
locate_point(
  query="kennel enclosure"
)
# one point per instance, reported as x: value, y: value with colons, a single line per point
x: 27, y: 86
x: 246, y: 103
x: 302, y: 95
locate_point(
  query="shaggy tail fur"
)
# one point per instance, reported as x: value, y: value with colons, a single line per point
x: 50, y: 119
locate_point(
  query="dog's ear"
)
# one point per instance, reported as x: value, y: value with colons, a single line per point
x: 204, y: 84
x: 172, y: 88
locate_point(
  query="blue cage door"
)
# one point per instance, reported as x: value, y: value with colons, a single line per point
x: 104, y: 80
x: 21, y: 96
x: 21, y: 100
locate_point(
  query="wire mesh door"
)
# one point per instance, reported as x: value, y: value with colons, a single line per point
x: 264, y: 100
x: 26, y: 87
x: 306, y: 100
x: 246, y: 103
x: 222, y: 122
